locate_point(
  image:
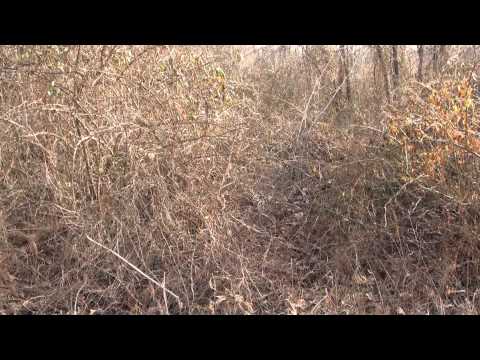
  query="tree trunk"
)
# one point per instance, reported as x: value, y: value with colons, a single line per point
x: 435, y: 59
x: 396, y: 67
x: 341, y: 73
x: 348, y: 62
x: 443, y: 54
x: 402, y: 59
x: 381, y: 61
x: 420, y: 63
x: 283, y: 52
x: 346, y: 72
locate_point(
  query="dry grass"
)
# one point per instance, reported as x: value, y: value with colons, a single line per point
x: 178, y: 180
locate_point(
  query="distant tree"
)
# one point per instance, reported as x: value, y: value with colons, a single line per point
x: 420, y: 52
x: 340, y: 76
x: 396, y: 67
x: 435, y: 59
x: 439, y: 58
x: 383, y: 66
x: 348, y: 69
x: 443, y: 55
x: 403, y: 58
x: 345, y: 71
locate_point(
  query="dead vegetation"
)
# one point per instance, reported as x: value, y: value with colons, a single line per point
x: 178, y: 180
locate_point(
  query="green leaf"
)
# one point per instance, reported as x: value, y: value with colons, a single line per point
x: 220, y: 73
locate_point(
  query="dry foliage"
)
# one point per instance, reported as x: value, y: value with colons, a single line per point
x: 177, y: 180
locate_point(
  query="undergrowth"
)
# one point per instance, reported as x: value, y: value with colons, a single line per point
x: 173, y: 180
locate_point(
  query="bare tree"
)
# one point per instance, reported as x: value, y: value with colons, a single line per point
x: 435, y: 51
x: 383, y: 66
x: 420, y: 52
x: 402, y: 58
x: 340, y: 76
x: 345, y: 69
x: 396, y: 67
x: 283, y: 52
x: 443, y: 55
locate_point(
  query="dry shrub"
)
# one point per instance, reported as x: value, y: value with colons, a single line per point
x: 432, y: 152
x: 136, y: 147
x: 435, y: 140
x: 154, y: 179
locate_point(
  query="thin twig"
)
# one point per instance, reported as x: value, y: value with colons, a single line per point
x: 134, y: 267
